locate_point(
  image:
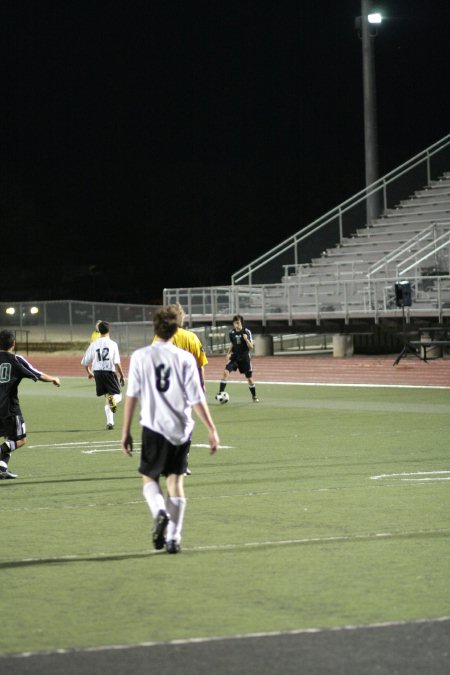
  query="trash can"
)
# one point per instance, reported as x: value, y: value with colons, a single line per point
x: 263, y: 345
x: 342, y: 346
x: 434, y: 352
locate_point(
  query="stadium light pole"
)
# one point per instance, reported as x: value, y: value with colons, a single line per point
x: 365, y: 25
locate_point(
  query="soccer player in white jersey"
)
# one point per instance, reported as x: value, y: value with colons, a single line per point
x: 101, y: 360
x: 166, y: 382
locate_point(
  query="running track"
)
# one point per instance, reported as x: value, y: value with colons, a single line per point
x: 372, y: 370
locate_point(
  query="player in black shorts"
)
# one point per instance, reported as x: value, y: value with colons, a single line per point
x: 13, y: 368
x: 241, y: 342
x: 101, y: 360
x: 163, y: 379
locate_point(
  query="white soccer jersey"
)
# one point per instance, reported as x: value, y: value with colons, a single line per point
x: 165, y: 379
x: 103, y: 353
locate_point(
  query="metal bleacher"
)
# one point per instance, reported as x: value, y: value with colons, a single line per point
x: 351, y: 280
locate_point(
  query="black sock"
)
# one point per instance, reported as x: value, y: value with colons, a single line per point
x: 5, y: 452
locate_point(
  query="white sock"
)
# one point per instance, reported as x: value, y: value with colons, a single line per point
x: 154, y: 498
x: 109, y: 415
x: 175, y: 506
x: 117, y: 398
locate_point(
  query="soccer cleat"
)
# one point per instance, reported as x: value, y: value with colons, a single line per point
x: 255, y: 399
x: 110, y: 426
x: 5, y: 473
x: 173, y: 547
x: 159, y: 531
x: 112, y: 403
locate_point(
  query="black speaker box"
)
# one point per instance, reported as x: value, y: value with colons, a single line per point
x: 403, y: 294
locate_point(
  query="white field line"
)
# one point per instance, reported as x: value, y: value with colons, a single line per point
x: 94, y: 451
x: 414, y: 475
x: 319, y: 384
x: 240, y: 495
x: 339, y: 539
x: 249, y: 636
x: 343, y: 384
x: 245, y: 636
x: 69, y: 445
x: 111, y: 446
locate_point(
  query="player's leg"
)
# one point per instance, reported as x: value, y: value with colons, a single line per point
x: 14, y: 431
x: 176, y: 500
x: 108, y: 384
x: 155, y: 500
x: 223, y: 381
x: 252, y: 388
x: 153, y: 457
x: 153, y: 495
x: 109, y: 415
x: 229, y: 368
x: 112, y: 401
x: 176, y: 507
x: 102, y: 388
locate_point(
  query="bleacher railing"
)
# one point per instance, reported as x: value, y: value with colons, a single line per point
x: 335, y: 224
x: 286, y: 303
x: 411, y: 249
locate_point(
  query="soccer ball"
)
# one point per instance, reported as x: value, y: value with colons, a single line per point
x: 222, y: 397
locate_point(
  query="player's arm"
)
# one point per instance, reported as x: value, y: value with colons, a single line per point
x: 90, y: 374
x: 248, y: 339
x: 121, y: 375
x: 202, y: 411
x: 199, y: 355
x: 86, y: 361
x: 50, y: 378
x: 128, y: 413
x: 230, y: 345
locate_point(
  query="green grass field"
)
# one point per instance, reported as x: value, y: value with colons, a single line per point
x: 327, y: 506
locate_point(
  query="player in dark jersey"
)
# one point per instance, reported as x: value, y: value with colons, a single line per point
x: 13, y: 368
x: 241, y: 342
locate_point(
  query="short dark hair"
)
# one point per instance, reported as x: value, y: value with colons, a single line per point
x: 238, y: 317
x: 103, y: 327
x: 7, y: 338
x: 165, y: 322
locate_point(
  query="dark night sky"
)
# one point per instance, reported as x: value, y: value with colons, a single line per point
x: 168, y: 143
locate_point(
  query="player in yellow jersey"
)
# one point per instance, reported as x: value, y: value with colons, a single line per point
x: 95, y: 333
x: 189, y: 342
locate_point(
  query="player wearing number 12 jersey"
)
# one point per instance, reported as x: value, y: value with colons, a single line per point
x: 101, y: 360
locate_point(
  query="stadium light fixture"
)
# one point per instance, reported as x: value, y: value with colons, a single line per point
x: 34, y: 310
x: 376, y: 17
x: 10, y: 311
